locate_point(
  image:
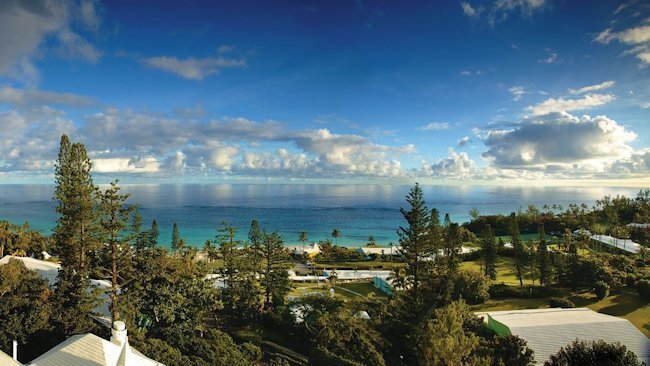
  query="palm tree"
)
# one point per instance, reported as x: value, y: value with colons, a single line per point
x: 336, y: 234
x: 303, y: 238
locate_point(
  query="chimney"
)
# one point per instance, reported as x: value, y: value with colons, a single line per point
x: 118, y: 333
x: 15, y: 350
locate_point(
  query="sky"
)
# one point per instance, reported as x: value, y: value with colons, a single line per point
x: 527, y: 92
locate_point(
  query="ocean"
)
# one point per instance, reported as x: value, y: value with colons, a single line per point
x: 358, y: 211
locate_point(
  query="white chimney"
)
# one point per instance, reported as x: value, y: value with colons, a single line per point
x: 118, y: 333
x: 15, y: 353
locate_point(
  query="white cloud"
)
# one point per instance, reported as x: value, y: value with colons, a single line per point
x: 561, y: 104
x: 552, y: 58
x: 591, y: 88
x: 193, y: 68
x: 638, y: 36
x: 32, y: 96
x: 126, y: 165
x: 517, y: 92
x: 455, y: 166
x: 463, y: 141
x: 469, y: 10
x: 559, y: 141
x: 500, y: 10
x: 25, y: 26
x: 435, y: 126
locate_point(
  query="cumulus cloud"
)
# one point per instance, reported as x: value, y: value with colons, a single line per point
x: 561, y: 104
x: 123, y: 141
x: 592, y: 88
x: 435, y: 126
x: 192, y: 68
x: 25, y: 25
x: 455, y: 166
x: 559, y: 141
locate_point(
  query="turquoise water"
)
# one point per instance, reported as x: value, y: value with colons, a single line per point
x: 358, y: 211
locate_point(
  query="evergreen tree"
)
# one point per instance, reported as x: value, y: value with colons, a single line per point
x: 154, y: 233
x: 489, y: 249
x: 76, y: 238
x: 76, y: 232
x: 544, y: 261
x: 241, y: 295
x: 518, y: 247
x: 416, y: 243
x: 138, y: 236
x: 114, y: 221
x: 274, y: 273
x: 444, y: 341
x: 573, y: 262
x: 176, y: 238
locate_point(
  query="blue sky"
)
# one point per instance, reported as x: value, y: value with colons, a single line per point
x: 472, y: 92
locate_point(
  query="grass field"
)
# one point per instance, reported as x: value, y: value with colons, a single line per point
x: 505, y: 270
x: 354, y: 289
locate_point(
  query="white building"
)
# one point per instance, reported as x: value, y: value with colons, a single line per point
x: 49, y: 271
x: 350, y: 274
x: 380, y: 251
x: 548, y: 330
x: 89, y: 349
x: 635, y: 225
x: 310, y: 250
x: 626, y: 245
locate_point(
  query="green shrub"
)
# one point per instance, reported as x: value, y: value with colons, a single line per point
x: 503, y: 291
x: 559, y: 302
x: 601, y: 289
x: 473, y: 286
x: 643, y: 288
x: 583, y: 353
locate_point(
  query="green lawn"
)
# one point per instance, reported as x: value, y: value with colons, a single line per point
x: 362, y: 288
x: 505, y: 270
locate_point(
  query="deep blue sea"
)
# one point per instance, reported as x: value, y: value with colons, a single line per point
x: 358, y: 211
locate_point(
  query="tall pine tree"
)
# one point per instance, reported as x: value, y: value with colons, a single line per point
x: 415, y: 240
x: 176, y: 238
x: 489, y: 249
x: 544, y: 261
x: 518, y: 248
x: 114, y: 220
x: 274, y: 273
x: 76, y: 238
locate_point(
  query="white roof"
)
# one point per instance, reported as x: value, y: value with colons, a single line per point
x: 548, y: 330
x: 6, y: 360
x: 380, y: 250
x: 624, y: 244
x: 91, y: 350
x: 299, y: 278
x: 637, y: 225
x: 50, y: 270
x: 45, y: 269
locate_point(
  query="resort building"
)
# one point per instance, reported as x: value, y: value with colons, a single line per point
x: 89, y: 349
x: 379, y: 252
x: 352, y: 275
x: 310, y: 250
x: 49, y: 271
x: 625, y: 245
x: 547, y: 330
